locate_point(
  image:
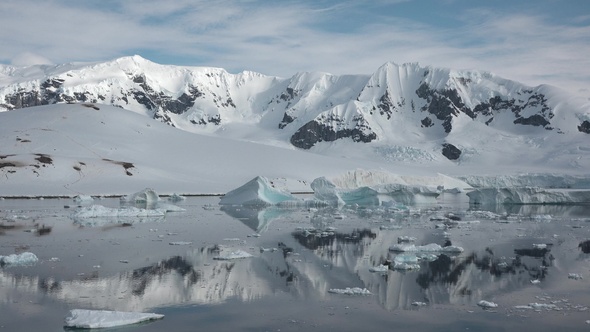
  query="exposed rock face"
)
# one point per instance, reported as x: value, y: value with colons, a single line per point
x: 450, y: 151
x: 321, y: 130
x: 430, y: 102
x: 584, y: 127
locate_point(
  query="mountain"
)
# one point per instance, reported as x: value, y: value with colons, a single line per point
x: 401, y: 113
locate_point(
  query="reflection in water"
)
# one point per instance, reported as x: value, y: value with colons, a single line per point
x: 256, y: 219
x: 308, y: 262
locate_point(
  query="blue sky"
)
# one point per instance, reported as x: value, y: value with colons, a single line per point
x: 542, y: 41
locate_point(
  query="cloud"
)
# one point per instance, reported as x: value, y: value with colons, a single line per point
x: 29, y: 59
x: 281, y: 38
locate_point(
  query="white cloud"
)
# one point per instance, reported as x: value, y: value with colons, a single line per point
x: 281, y: 38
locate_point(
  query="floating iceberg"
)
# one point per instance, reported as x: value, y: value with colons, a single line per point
x: 432, y: 247
x: 350, y: 291
x: 257, y: 192
x: 22, y: 259
x: 96, y: 211
x: 96, y: 215
x: 83, y: 199
x: 95, y: 319
x: 527, y: 195
x: 176, y: 198
x: 145, y: 198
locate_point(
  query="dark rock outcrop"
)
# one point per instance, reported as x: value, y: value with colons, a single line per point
x: 450, y: 151
x: 323, y: 130
x: 584, y: 127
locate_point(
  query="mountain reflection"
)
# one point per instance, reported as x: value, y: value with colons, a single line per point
x: 306, y: 263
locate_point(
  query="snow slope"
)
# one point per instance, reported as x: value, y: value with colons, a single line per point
x: 92, y: 149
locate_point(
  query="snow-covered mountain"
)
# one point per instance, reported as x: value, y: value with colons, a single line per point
x: 401, y: 113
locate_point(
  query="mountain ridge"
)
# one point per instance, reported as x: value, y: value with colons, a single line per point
x: 398, y: 107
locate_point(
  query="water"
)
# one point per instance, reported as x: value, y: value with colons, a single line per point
x: 298, y: 255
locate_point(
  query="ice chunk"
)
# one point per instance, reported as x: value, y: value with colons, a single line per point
x: 380, y: 268
x: 238, y: 254
x: 326, y: 191
x: 487, y: 304
x: 432, y: 247
x: 95, y: 211
x: 176, y: 198
x: 83, y: 199
x: 574, y: 276
x: 350, y: 291
x: 257, y: 192
x: 146, y: 197
x: 22, y: 259
x: 527, y: 195
x: 95, y: 319
x: 96, y: 215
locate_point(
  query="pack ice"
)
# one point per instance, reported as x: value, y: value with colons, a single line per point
x: 259, y: 191
x: 96, y: 319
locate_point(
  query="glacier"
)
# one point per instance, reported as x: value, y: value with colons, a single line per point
x: 527, y: 195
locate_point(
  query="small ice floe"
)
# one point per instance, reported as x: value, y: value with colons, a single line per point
x: 536, y: 306
x: 96, y: 319
x: 380, y: 268
x: 487, y: 304
x: 574, y: 276
x: 180, y: 243
x: 419, y: 304
x: 432, y: 247
x: 350, y: 291
x: 238, y: 254
x: 22, y: 259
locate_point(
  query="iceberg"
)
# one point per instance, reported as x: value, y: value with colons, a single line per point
x: 22, y: 259
x: 257, y: 192
x: 528, y: 195
x: 375, y: 194
x: 96, y: 319
x: 144, y: 198
x: 83, y: 198
x: 96, y: 215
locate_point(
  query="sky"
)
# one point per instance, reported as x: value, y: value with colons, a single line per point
x: 534, y: 42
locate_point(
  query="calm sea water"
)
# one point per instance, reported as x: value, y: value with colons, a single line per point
x: 513, y: 256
